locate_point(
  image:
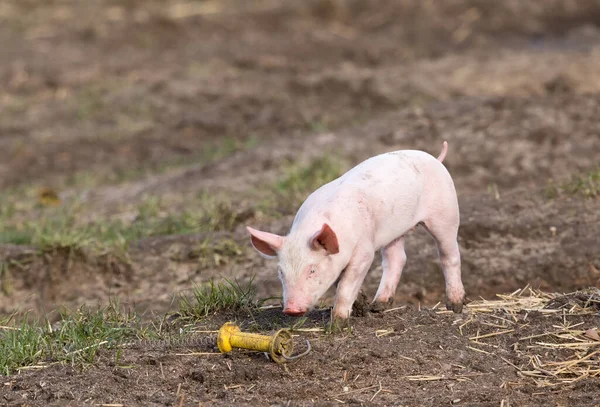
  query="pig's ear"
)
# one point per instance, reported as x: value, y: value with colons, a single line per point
x: 267, y: 244
x: 326, y: 239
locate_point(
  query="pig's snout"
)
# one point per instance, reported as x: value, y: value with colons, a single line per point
x: 294, y: 310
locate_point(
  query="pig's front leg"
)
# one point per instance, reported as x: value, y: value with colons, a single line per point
x: 350, y: 283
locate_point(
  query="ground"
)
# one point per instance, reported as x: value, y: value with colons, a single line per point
x: 139, y: 138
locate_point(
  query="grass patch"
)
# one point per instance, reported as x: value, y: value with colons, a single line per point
x: 36, y: 217
x: 6, y: 287
x: 299, y: 181
x: 584, y: 185
x: 318, y: 126
x: 77, y: 336
x: 22, y: 345
x: 61, y: 231
x: 27, y: 196
x: 212, y: 297
x: 57, y: 228
x: 211, y: 253
x: 210, y: 153
x: 75, y: 339
x: 211, y: 213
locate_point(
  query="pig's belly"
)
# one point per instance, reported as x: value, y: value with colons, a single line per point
x: 396, y: 206
x: 394, y: 221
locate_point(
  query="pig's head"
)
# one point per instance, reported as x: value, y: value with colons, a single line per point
x: 308, y: 264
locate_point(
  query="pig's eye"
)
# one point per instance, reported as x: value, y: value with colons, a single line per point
x: 313, y: 270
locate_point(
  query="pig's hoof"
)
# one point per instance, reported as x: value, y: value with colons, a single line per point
x: 455, y: 307
x: 338, y: 324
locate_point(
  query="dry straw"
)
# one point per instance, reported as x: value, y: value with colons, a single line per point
x: 564, y: 353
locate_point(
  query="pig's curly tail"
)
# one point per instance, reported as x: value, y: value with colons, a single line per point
x: 444, y: 152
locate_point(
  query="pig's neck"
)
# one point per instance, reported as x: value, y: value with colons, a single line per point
x: 308, y: 223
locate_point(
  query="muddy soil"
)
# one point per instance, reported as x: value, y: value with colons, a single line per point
x: 112, y: 102
x: 402, y: 357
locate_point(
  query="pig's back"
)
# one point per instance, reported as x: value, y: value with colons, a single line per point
x: 392, y: 174
x: 385, y: 194
x: 395, y: 187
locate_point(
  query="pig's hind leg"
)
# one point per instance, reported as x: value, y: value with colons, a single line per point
x: 444, y: 229
x: 393, y: 261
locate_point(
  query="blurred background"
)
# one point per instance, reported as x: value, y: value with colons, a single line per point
x: 138, y: 138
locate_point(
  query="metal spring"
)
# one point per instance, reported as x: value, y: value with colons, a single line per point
x: 190, y: 341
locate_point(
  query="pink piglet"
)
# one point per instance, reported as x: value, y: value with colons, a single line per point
x: 341, y: 225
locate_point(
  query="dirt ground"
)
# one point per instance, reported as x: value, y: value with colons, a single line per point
x: 401, y: 357
x: 112, y: 102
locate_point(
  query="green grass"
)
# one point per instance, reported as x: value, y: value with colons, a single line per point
x: 47, y: 228
x: 212, y: 297
x: 25, y: 220
x: 6, y: 287
x: 75, y: 339
x: 584, y: 185
x: 25, y: 196
x: 318, y: 126
x: 89, y: 102
x: 211, y: 152
x: 214, y: 253
x: 57, y: 228
x: 77, y: 336
x: 61, y: 231
x: 298, y: 181
x: 20, y: 346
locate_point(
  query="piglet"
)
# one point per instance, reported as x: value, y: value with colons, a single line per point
x: 341, y: 225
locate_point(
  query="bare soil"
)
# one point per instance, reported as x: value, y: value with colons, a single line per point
x: 111, y: 102
x: 404, y: 357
